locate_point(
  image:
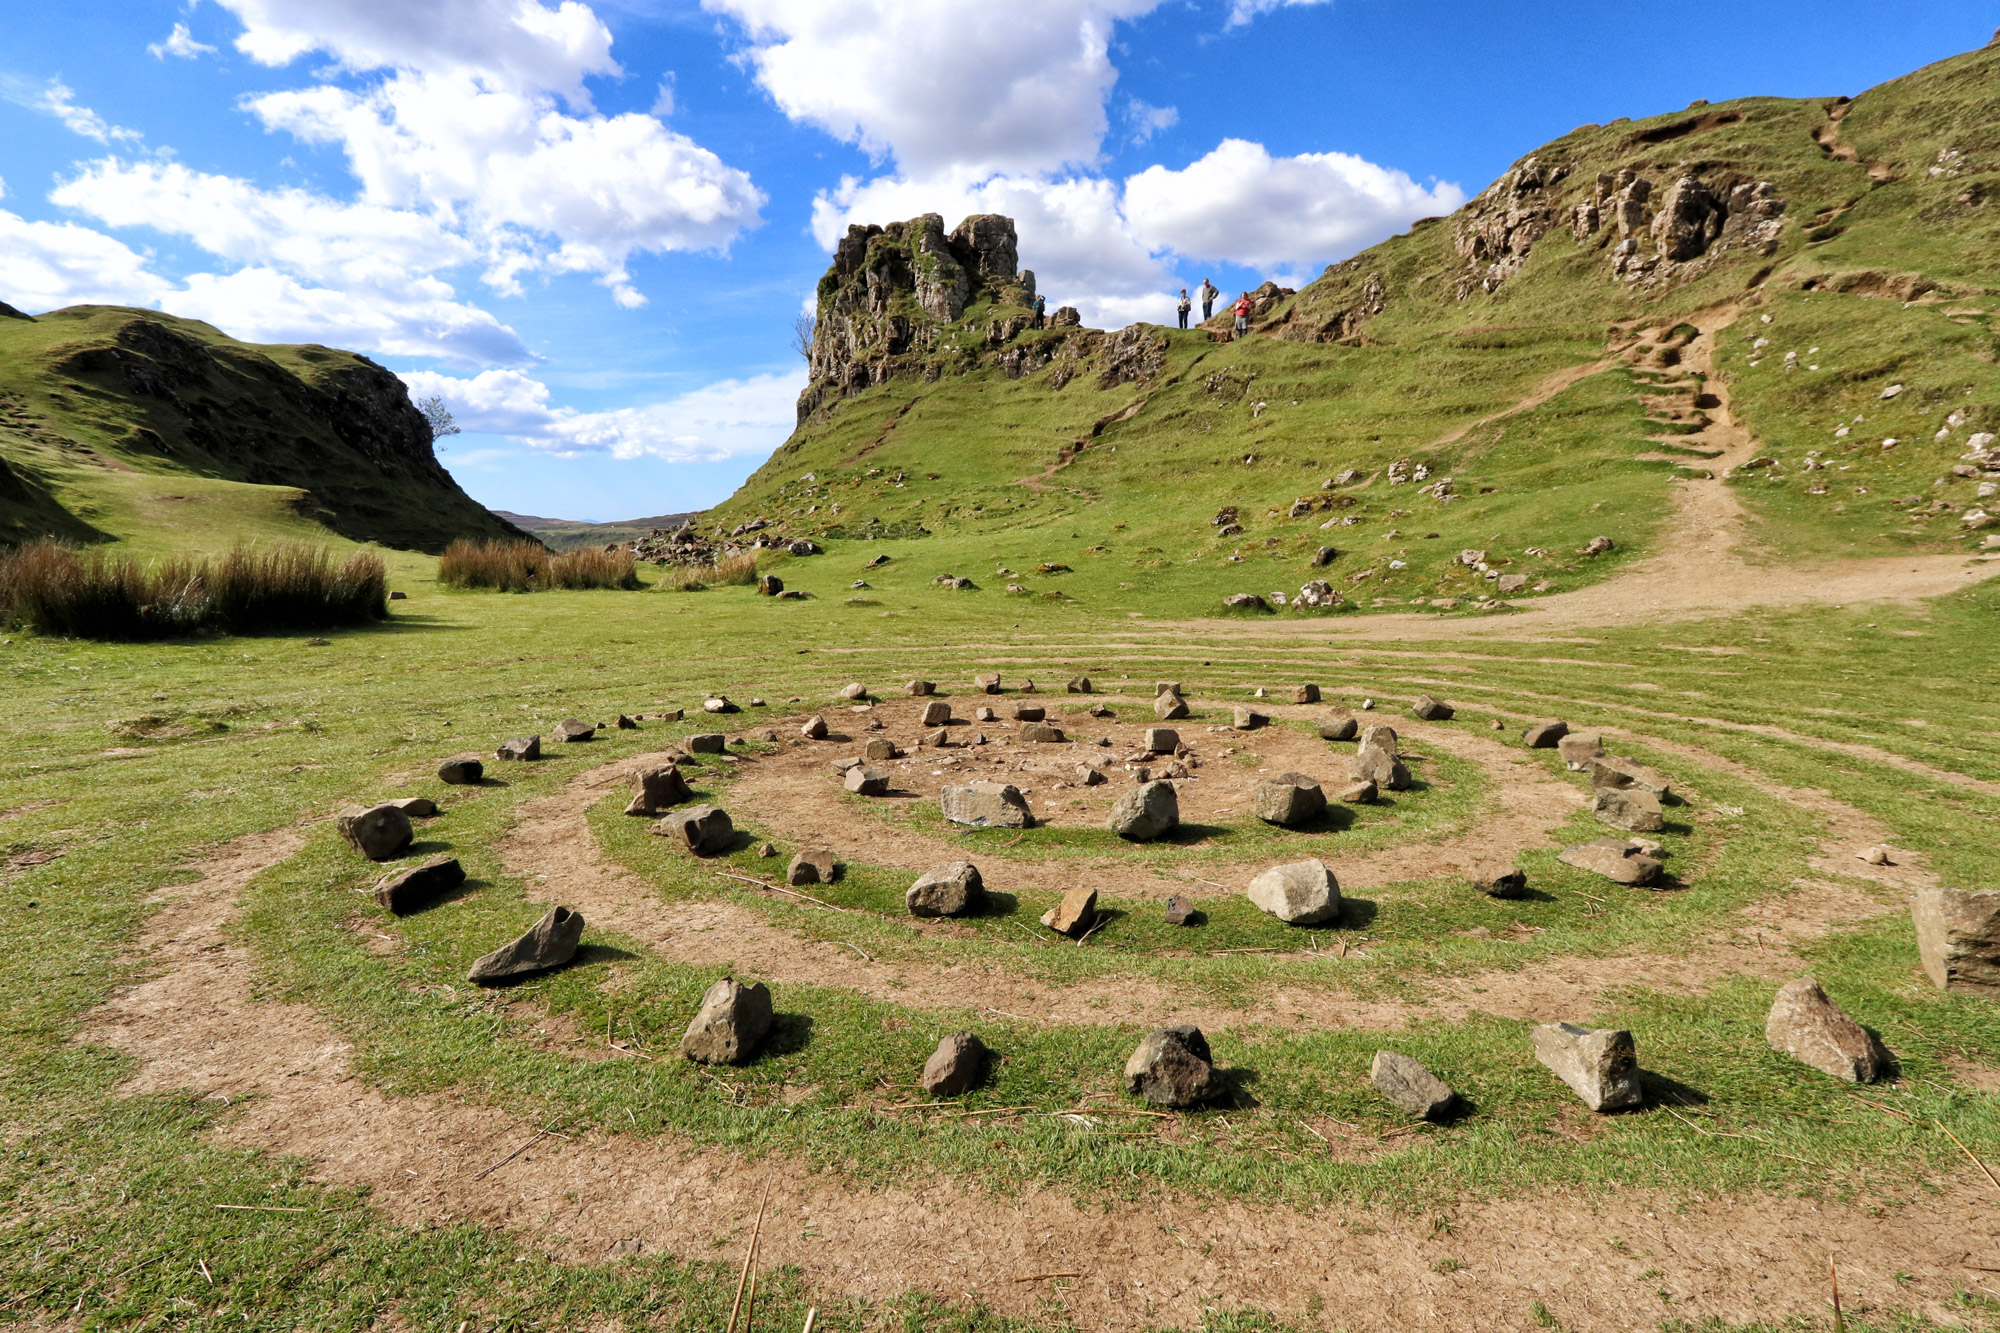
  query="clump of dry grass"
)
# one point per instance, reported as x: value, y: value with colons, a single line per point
x: 733, y: 571
x: 55, y: 589
x: 517, y: 566
x: 594, y: 569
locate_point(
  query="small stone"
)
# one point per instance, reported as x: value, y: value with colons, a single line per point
x: 879, y: 748
x: 1809, y: 1027
x: 984, y: 713
x: 1578, y: 748
x: 677, y: 715
x: 936, y: 739
x: 1381, y: 736
x: 1248, y: 719
x: 410, y: 889
x: 767, y: 850
x: 1410, y: 1087
x: 705, y: 830
x: 569, y: 729
x: 461, y: 772
x: 953, y: 889
x: 1597, y: 546
x: 1339, y: 726
x: 718, y: 703
x: 520, y: 748
x: 1431, y: 709
x: 733, y: 1020
x: 769, y: 585
x: 1359, y: 793
x: 1079, y: 685
x: 1029, y: 712
x: 1304, y: 893
x: 1169, y: 707
x: 1545, y: 735
x: 1631, y: 808
x: 1612, y: 771
x: 986, y: 805
x: 1289, y: 800
x: 1958, y: 938
x: 815, y: 728
x: 548, y: 943
x: 1147, y: 812
x: 1161, y: 740
x: 936, y: 713
x: 1042, y: 732
x: 854, y: 690
x: 1373, y: 763
x: 812, y: 865
x: 416, y: 807
x: 920, y: 688
x: 866, y: 780
x: 1617, y: 861
x: 840, y: 766
x: 1305, y: 694
x: 658, y: 789
x: 1087, y: 776
x: 378, y: 832
x: 1075, y: 914
x: 955, y: 1065
x: 988, y: 682
x: 1877, y: 856
x: 1498, y: 880
x: 1173, y: 1067
x: 626, y: 723
x: 1601, y: 1065
x: 1172, y: 687
x: 707, y: 742
x: 1180, y: 911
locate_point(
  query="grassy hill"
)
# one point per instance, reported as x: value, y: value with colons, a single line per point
x: 1564, y: 371
x: 167, y: 433
x: 564, y: 534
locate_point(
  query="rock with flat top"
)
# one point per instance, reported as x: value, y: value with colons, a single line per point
x: 410, y: 889
x: 706, y: 742
x: 1248, y: 719
x: 814, y: 728
x: 658, y: 789
x: 733, y: 1021
x: 1075, y: 914
x: 919, y: 688
x: 1180, y: 910
x: 936, y: 713
x: 1497, y: 879
x: 812, y: 865
x: 953, y: 889
x: 1288, y: 800
x: 1043, y: 733
x: 1612, y: 771
x: 987, y: 682
x: 1578, y: 748
x: 569, y: 729
x: 1410, y: 1087
x: 1631, y: 808
x: 1161, y: 740
x: 378, y: 832
x: 1600, y: 1064
x: 1304, y: 893
x: 1026, y: 712
x: 1150, y: 810
x: 1305, y: 694
x: 548, y: 943
x: 520, y: 748
x: 1173, y: 1067
x: 1169, y: 707
x: 1431, y: 709
x: 1339, y: 726
x: 705, y: 830
x: 1545, y: 735
x: 1958, y: 938
x: 866, y: 780
x: 1172, y: 687
x: 461, y: 772
x: 955, y: 1065
x: 1613, y: 858
x: 1809, y: 1027
x: 986, y: 805
x: 1359, y: 793
x: 416, y: 807
x: 1382, y: 767
x: 1079, y: 685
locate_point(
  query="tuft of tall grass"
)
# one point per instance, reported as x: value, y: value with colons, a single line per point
x: 55, y: 589
x: 734, y: 571
x: 516, y: 566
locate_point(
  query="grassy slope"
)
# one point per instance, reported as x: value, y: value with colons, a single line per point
x: 247, y: 456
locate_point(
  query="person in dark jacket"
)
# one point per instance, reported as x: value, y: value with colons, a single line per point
x: 1209, y: 291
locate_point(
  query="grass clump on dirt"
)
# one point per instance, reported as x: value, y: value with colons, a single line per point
x: 735, y: 571
x: 505, y: 566
x: 53, y: 588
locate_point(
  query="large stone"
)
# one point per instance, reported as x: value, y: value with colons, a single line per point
x: 1088, y: 775
x: 378, y: 832
x: 548, y: 943
x: 854, y: 690
x: 1079, y: 685
x: 1029, y: 712
x: 815, y: 728
x: 1611, y: 771
x: 461, y: 772
x: 1358, y: 793
x: 1958, y: 938
x: 1248, y: 719
x: 733, y: 1021
x: 1410, y: 1087
x: 955, y: 1066
x: 1075, y: 914
x: 987, y: 682
x: 1578, y: 748
x: 1807, y: 1026
x: 936, y: 713
x: 1305, y: 694
x: 879, y: 747
x: 1381, y: 736
x: 1304, y: 893
x: 410, y: 889
x: 1290, y: 799
x: 1339, y: 726
x: 1046, y: 733
x: 1161, y: 740
x: 1169, y: 707
x: 1545, y: 735
x: 1497, y: 879
x: 1431, y: 709
x: 718, y: 703
x: 866, y: 780
x: 812, y: 865
x: 416, y: 807
x: 953, y: 889
x: 1173, y: 1067
x: 1600, y: 1064
x: 706, y: 742
x: 705, y: 830
x: 1148, y: 811
x: 987, y: 805
x: 569, y: 729
x: 1632, y: 808
x: 658, y: 789
x: 1374, y: 764
x: 919, y: 688
x: 1172, y: 687
x: 1613, y: 858
x: 520, y: 748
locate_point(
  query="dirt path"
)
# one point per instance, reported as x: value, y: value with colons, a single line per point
x: 1585, y: 1260
x: 1560, y: 382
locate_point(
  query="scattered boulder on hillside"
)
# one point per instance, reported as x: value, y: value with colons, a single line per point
x: 1809, y: 1027
x: 769, y: 585
x: 866, y: 780
x: 955, y: 1066
x: 461, y: 772
x: 1089, y: 776
x: 1289, y: 800
x: 953, y: 889
x: 658, y: 789
x: 1600, y: 1065
x: 1631, y: 808
x: 1578, y: 748
x: 1042, y: 733
x: 1410, y: 1087
x: 1380, y: 764
x: 550, y: 942
x: 1027, y: 712
x: 1597, y: 546
x: 1173, y: 1067
x: 986, y: 805
x: 1431, y: 709
x: 1180, y: 911
x: 1958, y: 938
x: 879, y: 747
x: 1169, y: 707
x: 854, y: 690
x: 416, y: 807
x: 1079, y: 685
x: 812, y: 865
x: 1323, y: 557
x: 1305, y: 694
x: 1148, y: 812
x: 1498, y: 880
x: 627, y: 723
x: 733, y: 1021
x: 1160, y: 740
x: 705, y: 830
x: 936, y: 713
x: 570, y: 730
x: 1304, y: 893
x: 520, y: 748
x: 1616, y: 860
x: 1248, y: 719
x: 1545, y: 735
x: 920, y: 688
x: 1363, y: 792
x: 802, y: 546
x: 1318, y: 595
x: 719, y: 703
x: 1245, y: 601
x: 1339, y: 726
x: 815, y: 728
x: 1075, y: 914
x: 987, y: 682
x: 1509, y: 584
x: 1612, y: 771
x: 407, y: 890
x: 377, y: 832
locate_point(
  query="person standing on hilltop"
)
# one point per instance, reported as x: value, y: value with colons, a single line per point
x: 1041, y: 304
x: 1183, y: 307
x: 1209, y: 292
x: 1243, y: 315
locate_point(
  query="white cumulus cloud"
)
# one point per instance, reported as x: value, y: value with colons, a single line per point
x: 729, y: 419
x: 1244, y: 11
x: 47, y: 265
x: 58, y: 99
x: 181, y: 43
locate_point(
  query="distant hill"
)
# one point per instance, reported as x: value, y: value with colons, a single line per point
x: 565, y: 534
x: 126, y: 423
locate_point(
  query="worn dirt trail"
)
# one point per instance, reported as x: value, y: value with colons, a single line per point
x: 195, y: 1025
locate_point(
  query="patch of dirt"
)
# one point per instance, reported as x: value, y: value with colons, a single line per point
x: 426, y: 1162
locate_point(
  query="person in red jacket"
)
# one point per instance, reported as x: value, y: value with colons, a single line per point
x: 1243, y: 315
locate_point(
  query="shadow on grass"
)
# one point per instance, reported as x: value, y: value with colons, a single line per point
x: 997, y: 903
x: 449, y: 896
x: 1357, y: 913
x: 1662, y: 1090
x: 790, y: 1034
x: 1236, y: 1095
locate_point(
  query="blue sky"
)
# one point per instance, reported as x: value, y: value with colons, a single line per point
x: 590, y: 226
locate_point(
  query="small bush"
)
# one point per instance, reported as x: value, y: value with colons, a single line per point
x: 56, y: 589
x: 594, y: 569
x: 529, y: 566
x: 736, y: 571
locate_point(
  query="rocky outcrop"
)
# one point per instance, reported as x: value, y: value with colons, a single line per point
x: 1497, y: 231
x: 1662, y: 238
